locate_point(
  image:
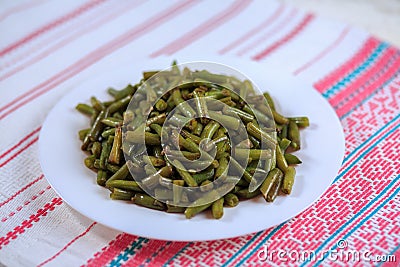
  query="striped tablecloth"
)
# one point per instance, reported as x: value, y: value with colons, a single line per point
x: 48, y: 47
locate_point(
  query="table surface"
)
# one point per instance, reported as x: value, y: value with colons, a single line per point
x: 49, y: 47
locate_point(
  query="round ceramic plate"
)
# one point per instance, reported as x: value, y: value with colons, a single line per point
x: 62, y: 160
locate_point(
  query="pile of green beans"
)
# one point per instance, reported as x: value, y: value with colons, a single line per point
x: 110, y: 120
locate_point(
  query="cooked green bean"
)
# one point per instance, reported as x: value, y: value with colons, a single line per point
x: 108, y: 132
x: 121, y: 174
x: 111, y: 121
x: 148, y: 202
x: 217, y: 208
x: 279, y: 118
x: 292, y: 159
x: 121, y: 194
x: 159, y: 119
x: 246, y: 117
x: 260, y: 135
x: 207, y: 174
x: 268, y: 183
x: 294, y: 135
x: 224, y: 120
x: 288, y: 180
x: 190, y: 181
x: 161, y: 105
x: 101, y: 177
x: 245, y: 193
x: 125, y: 185
x: 96, y: 149
x: 137, y: 137
x: 273, y: 192
x: 254, y: 154
x: 115, y: 153
x: 191, y: 136
x: 191, y: 211
x: 210, y: 129
x: 269, y: 100
x: 82, y: 133
x: 119, y: 105
x: 206, y: 185
x: 240, y: 126
x: 301, y: 121
x: 280, y: 159
x: 284, y: 144
x: 198, y: 129
x: 112, y: 168
x: 96, y: 104
x: 105, y: 152
x: 96, y: 129
x: 89, y: 161
x: 175, y: 209
x: 185, y: 109
x: 85, y: 109
x: 156, y: 162
x: 153, y: 179
x: 231, y: 200
x: 119, y: 94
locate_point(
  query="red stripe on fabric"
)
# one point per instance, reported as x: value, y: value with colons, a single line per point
x: 366, y: 76
x: 331, y: 79
x: 330, y: 201
x: 114, y: 248
x: 25, y: 203
x: 298, y: 236
x: 324, y: 52
x: 345, y: 165
x: 34, y: 218
x: 146, y: 253
x: 165, y: 257
x: 20, y: 142
x: 67, y: 245
x: 19, y: 152
x: 50, y: 26
x: 319, y: 210
x: 203, y: 29
x: 21, y: 190
x: 253, y: 31
x: 22, y: 7
x: 369, y: 89
x: 81, y: 31
x: 276, y: 29
x: 98, y: 54
x: 297, y: 30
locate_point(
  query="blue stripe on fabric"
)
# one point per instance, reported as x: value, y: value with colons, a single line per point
x: 370, y: 96
x: 260, y: 244
x: 244, y: 247
x: 124, y: 256
x: 366, y: 152
x: 349, y: 156
x: 389, y: 186
x: 177, y: 254
x: 370, y: 138
x: 331, y: 91
x: 155, y: 254
x: 381, y: 47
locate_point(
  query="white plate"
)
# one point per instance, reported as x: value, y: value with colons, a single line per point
x: 62, y: 160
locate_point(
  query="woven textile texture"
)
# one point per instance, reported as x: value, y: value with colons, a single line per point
x: 48, y: 47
